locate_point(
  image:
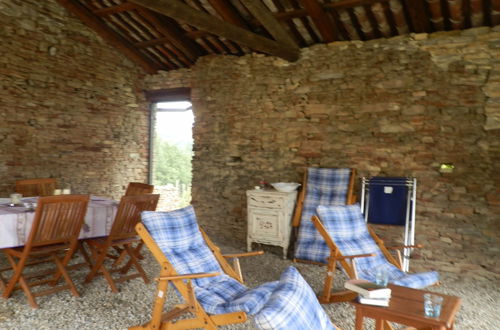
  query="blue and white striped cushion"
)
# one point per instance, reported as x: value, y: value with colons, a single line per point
x: 178, y: 236
x: 325, y: 186
x: 293, y: 306
x: 349, y: 231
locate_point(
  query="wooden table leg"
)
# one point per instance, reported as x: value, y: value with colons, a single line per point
x: 359, y: 320
x: 379, y: 324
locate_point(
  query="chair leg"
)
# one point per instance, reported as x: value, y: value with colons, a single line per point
x: 17, y: 278
x: 98, y: 255
x: 133, y: 261
x: 327, y: 289
x: 66, y: 277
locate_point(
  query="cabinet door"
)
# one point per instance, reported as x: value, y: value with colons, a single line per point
x: 265, y: 224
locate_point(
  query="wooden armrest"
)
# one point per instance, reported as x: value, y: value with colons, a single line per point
x: 185, y: 276
x: 357, y: 256
x: 243, y: 254
x: 400, y: 247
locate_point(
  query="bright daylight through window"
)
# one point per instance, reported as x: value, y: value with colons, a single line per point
x: 172, y: 153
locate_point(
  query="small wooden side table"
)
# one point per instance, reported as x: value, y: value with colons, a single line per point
x: 407, y: 307
x: 270, y: 217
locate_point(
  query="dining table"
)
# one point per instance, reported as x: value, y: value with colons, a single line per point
x: 16, y: 221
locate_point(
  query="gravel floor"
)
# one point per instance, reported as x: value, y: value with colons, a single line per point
x: 98, y: 308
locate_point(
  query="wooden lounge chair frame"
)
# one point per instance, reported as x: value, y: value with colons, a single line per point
x: 36, y: 187
x: 348, y: 263
x: 199, y: 319
x: 350, y: 199
x: 122, y: 236
x: 47, y: 241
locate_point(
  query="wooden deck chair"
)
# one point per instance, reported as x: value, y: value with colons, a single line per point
x: 321, y: 186
x: 54, y: 234
x: 360, y: 252
x: 36, y: 187
x: 122, y: 235
x: 212, y: 290
x: 138, y: 188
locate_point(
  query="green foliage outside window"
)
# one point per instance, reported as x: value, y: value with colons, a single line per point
x: 172, y: 165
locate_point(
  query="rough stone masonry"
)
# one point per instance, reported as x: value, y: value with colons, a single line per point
x: 387, y: 107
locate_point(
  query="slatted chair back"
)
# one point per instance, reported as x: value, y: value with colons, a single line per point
x: 58, y: 219
x: 138, y: 188
x: 36, y: 187
x: 55, y: 229
x: 129, y: 214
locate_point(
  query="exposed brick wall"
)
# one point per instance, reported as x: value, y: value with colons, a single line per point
x: 389, y: 107
x: 71, y: 107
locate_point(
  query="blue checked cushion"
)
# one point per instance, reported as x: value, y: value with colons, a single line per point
x: 349, y: 232
x: 325, y: 186
x: 178, y: 236
x: 293, y: 305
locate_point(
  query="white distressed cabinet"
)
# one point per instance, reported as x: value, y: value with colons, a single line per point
x: 269, y: 216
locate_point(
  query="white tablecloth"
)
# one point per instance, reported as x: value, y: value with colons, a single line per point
x: 15, y: 222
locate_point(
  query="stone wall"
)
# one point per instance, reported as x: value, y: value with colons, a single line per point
x: 388, y: 107
x: 71, y: 107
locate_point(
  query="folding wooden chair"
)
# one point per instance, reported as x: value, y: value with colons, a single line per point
x: 360, y: 252
x: 138, y: 188
x: 133, y: 189
x: 321, y: 186
x: 213, y: 292
x: 122, y: 236
x: 36, y: 187
x: 54, y: 236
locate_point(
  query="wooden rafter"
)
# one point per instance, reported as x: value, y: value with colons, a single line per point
x: 172, y: 34
x: 109, y: 35
x: 228, y: 13
x: 418, y: 15
x: 267, y: 19
x: 113, y: 9
x: 182, y: 12
x: 323, y: 22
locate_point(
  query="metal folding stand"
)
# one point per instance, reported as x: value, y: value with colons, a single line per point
x: 391, y: 201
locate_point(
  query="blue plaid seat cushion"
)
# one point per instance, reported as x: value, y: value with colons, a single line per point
x: 293, y: 305
x: 349, y: 232
x: 178, y: 236
x: 325, y: 186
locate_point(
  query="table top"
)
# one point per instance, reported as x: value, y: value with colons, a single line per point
x: 407, y: 303
x: 15, y: 221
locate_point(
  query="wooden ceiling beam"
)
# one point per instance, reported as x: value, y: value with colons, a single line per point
x: 226, y: 10
x: 171, y: 33
x: 323, y: 22
x: 108, y: 35
x: 182, y: 12
x: 417, y: 13
x: 126, y: 6
x: 272, y: 25
x: 346, y: 4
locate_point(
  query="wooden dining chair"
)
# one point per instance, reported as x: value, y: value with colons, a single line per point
x: 36, y: 187
x: 138, y: 188
x: 53, y: 237
x: 123, y: 237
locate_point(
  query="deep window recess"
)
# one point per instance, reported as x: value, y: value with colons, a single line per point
x: 172, y: 151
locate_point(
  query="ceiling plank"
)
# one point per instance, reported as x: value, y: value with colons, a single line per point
x: 272, y: 25
x: 228, y: 13
x: 322, y: 21
x: 417, y: 12
x: 209, y: 23
x: 346, y: 4
x: 114, y: 9
x: 170, y: 32
x: 108, y: 35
